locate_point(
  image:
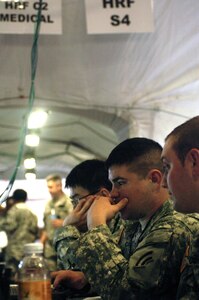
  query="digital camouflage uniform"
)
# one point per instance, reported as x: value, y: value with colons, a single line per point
x: 65, y: 241
x: 129, y: 237
x: 20, y: 225
x: 153, y: 268
x: 189, y: 282
x: 58, y: 209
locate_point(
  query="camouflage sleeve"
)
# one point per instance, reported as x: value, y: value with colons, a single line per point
x: 153, y: 266
x: 47, y: 212
x: 189, y: 280
x: 28, y: 225
x: 65, y: 244
x: 23, y: 223
x: 105, y: 264
x: 10, y: 221
x: 189, y: 283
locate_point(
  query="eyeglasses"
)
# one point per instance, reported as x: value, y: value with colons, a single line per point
x: 76, y: 198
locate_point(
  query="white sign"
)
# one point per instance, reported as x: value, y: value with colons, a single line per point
x: 20, y: 17
x: 119, y: 16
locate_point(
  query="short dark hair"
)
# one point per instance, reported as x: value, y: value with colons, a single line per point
x: 185, y: 137
x: 90, y: 174
x: 19, y: 195
x: 141, y: 154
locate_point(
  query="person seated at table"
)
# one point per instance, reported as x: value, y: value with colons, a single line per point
x: 87, y: 178
x: 152, y: 269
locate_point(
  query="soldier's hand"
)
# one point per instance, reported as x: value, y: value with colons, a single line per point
x: 69, y: 278
x: 78, y: 217
x: 103, y: 210
x: 57, y: 223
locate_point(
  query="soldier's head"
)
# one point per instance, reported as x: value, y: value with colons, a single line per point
x: 88, y: 178
x: 19, y: 195
x: 180, y: 158
x: 135, y: 170
x: 54, y: 183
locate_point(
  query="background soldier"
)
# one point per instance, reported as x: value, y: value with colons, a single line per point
x: 20, y: 225
x: 57, y: 208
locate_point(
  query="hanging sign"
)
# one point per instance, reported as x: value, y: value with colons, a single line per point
x: 20, y: 17
x: 119, y: 16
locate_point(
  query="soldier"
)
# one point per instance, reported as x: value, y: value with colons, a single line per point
x: 20, y: 225
x: 56, y: 209
x: 87, y: 178
x: 151, y: 269
x: 180, y: 158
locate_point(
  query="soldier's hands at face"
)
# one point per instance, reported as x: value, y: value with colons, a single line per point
x: 78, y: 217
x: 103, y: 210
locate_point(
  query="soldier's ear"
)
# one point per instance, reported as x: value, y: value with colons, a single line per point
x: 155, y: 176
x: 104, y: 192
x: 192, y: 159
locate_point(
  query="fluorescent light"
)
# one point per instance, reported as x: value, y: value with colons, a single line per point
x: 32, y: 140
x: 30, y: 175
x: 37, y: 119
x: 29, y: 163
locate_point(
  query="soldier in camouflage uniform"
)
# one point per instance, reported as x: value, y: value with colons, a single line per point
x: 55, y: 212
x: 88, y: 178
x: 20, y: 225
x: 150, y: 267
x: 180, y: 158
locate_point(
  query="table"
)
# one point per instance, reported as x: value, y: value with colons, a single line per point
x: 57, y: 295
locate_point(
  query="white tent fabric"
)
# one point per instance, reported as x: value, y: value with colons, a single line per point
x: 101, y: 89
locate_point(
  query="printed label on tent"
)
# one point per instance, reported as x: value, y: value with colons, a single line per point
x: 20, y: 17
x: 119, y: 16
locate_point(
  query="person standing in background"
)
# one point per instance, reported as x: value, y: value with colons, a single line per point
x: 56, y: 209
x: 21, y: 227
x: 9, y: 203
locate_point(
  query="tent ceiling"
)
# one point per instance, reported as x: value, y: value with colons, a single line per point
x: 100, y: 89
